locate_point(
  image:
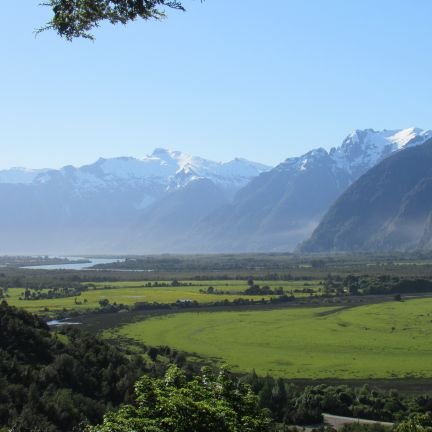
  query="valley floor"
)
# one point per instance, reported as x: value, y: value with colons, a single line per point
x: 389, y: 340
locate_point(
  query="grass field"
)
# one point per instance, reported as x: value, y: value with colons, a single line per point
x: 130, y: 293
x: 388, y: 340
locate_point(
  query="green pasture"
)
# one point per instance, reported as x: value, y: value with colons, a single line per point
x: 387, y: 340
x: 129, y: 293
x: 220, y: 285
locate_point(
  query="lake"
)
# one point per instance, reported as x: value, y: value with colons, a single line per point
x: 76, y: 266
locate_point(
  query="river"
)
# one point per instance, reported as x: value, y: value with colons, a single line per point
x: 76, y: 266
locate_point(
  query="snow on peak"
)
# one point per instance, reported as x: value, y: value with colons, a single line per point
x: 306, y: 161
x: 410, y: 136
x: 316, y: 153
x: 235, y: 173
x: 166, y: 168
x: 362, y: 149
x: 129, y: 168
x: 172, y: 157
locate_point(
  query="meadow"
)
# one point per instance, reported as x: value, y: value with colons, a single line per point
x: 386, y: 340
x: 131, y: 292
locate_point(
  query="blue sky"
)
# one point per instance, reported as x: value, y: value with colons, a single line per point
x: 227, y: 78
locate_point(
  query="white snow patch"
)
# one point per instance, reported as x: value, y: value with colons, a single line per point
x: 362, y: 149
x: 163, y: 168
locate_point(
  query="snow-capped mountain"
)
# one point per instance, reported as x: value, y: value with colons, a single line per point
x: 360, y: 151
x: 166, y: 168
x: 93, y: 207
x: 173, y: 202
x: 363, y: 149
x: 387, y: 209
x: 280, y: 208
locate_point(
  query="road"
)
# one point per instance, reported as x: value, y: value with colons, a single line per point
x: 338, y: 422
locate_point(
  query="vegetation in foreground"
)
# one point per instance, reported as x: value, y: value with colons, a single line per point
x: 176, y: 404
x: 67, y: 381
x: 58, y: 380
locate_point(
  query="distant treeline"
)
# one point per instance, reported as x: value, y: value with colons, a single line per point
x: 258, y: 265
x: 21, y: 261
x: 368, y: 285
x: 271, y: 267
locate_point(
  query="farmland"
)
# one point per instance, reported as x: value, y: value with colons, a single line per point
x: 387, y: 340
x: 345, y: 327
x: 325, y: 327
x: 131, y: 292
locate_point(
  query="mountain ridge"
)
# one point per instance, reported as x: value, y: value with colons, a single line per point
x: 280, y: 208
x: 171, y: 168
x: 170, y: 201
x: 386, y: 209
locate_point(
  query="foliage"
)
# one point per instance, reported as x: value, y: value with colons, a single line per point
x: 416, y: 423
x: 76, y: 18
x: 293, y: 404
x: 24, y: 261
x: 57, y: 381
x: 265, y: 290
x: 383, y: 284
x: 174, y: 404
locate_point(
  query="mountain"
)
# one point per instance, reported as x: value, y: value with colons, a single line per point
x: 363, y: 149
x: 164, y: 226
x: 92, y: 209
x: 161, y: 171
x: 275, y: 210
x: 388, y: 208
x: 173, y: 202
x: 19, y: 175
x: 280, y: 208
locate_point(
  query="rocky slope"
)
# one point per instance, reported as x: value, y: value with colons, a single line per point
x: 280, y: 208
x: 389, y: 208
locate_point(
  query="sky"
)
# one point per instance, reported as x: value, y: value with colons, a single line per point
x: 225, y: 79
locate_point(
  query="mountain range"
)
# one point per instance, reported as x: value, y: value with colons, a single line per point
x: 280, y: 208
x: 93, y: 208
x: 387, y: 209
x: 172, y: 202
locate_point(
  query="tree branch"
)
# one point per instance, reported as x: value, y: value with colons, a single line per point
x: 76, y: 18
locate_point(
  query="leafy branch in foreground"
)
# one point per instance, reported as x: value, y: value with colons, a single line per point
x: 76, y: 18
x: 174, y: 404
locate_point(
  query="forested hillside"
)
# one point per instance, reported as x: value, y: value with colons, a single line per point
x: 52, y: 382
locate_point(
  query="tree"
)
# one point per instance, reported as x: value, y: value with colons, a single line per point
x: 174, y: 404
x: 76, y: 18
x: 415, y: 423
x: 104, y: 303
